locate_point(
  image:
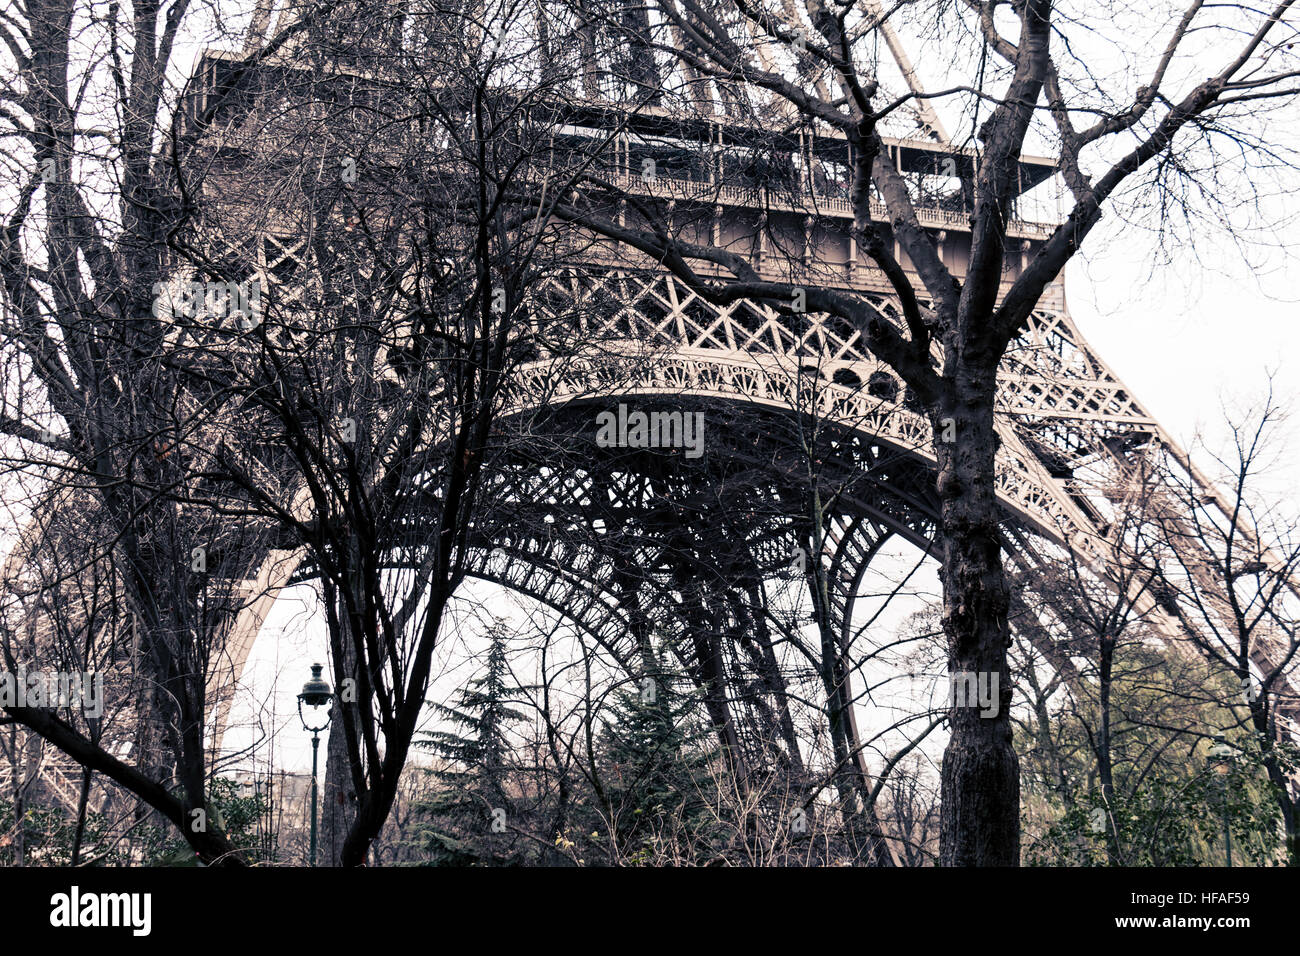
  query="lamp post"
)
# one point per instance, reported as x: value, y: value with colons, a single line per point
x: 315, y: 693
x: 1220, y: 755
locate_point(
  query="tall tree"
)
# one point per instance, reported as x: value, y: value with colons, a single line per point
x: 389, y: 354
x: 99, y: 400
x: 470, y: 810
x: 652, y: 758
x: 767, y: 69
x: 1229, y: 576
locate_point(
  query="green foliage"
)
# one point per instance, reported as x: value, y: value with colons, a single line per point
x: 653, y: 758
x: 49, y: 833
x: 1170, y: 821
x: 236, y: 815
x: 467, y: 818
x: 1169, y: 804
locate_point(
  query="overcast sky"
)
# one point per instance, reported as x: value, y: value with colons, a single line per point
x: 1185, y: 339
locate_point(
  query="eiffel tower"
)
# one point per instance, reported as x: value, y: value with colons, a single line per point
x: 619, y: 543
x: 1071, y: 431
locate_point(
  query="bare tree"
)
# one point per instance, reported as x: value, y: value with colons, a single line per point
x: 767, y: 70
x: 1229, y: 577
x: 97, y: 396
x: 385, y: 367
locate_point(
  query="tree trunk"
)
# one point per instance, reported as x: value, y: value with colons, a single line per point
x: 1262, y: 719
x: 981, y: 775
x: 338, y: 796
x: 1104, y: 763
x: 83, y: 802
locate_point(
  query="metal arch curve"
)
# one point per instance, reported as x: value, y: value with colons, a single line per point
x: 1023, y: 486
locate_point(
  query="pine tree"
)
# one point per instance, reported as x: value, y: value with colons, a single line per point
x: 469, y: 813
x: 654, y: 755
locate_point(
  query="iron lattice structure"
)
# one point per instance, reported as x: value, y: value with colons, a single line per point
x: 621, y: 541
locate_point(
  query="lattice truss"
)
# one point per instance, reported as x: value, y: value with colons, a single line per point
x: 625, y: 545
x: 619, y: 546
x: 595, y: 63
x: 1064, y: 415
x: 1070, y: 433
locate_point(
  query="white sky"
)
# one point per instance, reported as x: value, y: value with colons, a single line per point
x: 1186, y: 342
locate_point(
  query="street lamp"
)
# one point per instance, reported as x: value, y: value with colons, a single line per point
x: 1219, y: 759
x: 315, y: 693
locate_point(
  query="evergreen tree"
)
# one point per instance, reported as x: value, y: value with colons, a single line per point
x: 653, y: 755
x: 471, y: 808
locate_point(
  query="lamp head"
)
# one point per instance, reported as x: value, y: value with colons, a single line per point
x: 317, y: 691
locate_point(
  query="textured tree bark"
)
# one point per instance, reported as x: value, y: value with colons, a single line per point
x: 980, y: 787
x: 338, y: 795
x: 1104, y: 764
